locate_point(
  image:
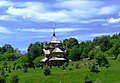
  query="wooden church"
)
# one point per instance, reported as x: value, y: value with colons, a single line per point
x: 54, y: 54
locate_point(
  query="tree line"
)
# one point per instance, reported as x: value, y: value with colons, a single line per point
x: 99, y: 48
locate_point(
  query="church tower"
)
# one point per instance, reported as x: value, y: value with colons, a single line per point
x: 55, y: 55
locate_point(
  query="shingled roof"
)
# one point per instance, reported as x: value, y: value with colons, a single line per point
x: 46, y: 51
x: 57, y: 50
x: 54, y: 40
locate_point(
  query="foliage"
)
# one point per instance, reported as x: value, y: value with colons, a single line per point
x: 77, y: 66
x: 7, y: 56
x: 7, y: 48
x: 118, y: 58
x: 74, y: 53
x: 70, y: 69
x: 70, y: 42
x: 66, y: 64
x: 63, y: 67
x: 23, y: 60
x: 87, y: 47
x: 15, y: 79
x: 87, y: 79
x: 35, y: 50
x: 93, y: 67
x: 2, y: 79
x: 105, y: 44
x: 2, y: 72
x: 101, y: 59
x: 37, y: 61
x: 91, y: 54
x: 47, y: 71
x: 9, y: 69
x: 25, y: 69
x: 115, y: 50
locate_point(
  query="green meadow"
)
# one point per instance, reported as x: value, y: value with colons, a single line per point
x: 106, y: 75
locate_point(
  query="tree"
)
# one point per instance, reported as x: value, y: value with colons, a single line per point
x: 74, y: 53
x: 37, y: 61
x: 8, y: 56
x: 23, y: 60
x: 91, y: 54
x: 7, y: 48
x: 105, y: 44
x: 86, y: 49
x: 0, y: 50
x: 35, y: 50
x: 115, y: 50
x: 101, y: 59
x: 69, y: 43
x: 65, y: 41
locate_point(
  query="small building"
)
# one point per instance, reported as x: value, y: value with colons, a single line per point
x: 54, y: 54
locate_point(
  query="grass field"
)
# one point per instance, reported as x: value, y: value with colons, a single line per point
x: 106, y: 75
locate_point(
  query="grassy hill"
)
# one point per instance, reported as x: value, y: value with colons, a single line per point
x: 106, y: 75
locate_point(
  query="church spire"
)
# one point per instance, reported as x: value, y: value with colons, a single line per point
x: 54, y: 32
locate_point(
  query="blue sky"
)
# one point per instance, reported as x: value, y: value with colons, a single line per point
x: 26, y: 21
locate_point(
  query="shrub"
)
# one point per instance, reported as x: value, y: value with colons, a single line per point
x: 47, y: 71
x: 77, y: 66
x: 63, y: 67
x: 93, y: 68
x: 14, y: 79
x: 70, y: 69
x: 25, y: 69
x: 102, y: 60
x: 2, y: 79
x: 87, y: 80
x: 65, y: 64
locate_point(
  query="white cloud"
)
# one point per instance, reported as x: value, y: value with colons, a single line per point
x: 43, y: 15
x: 78, y: 4
x: 113, y: 20
x: 7, y: 17
x: 106, y: 10
x: 86, y: 8
x: 4, y: 30
x: 4, y: 3
x: 50, y: 30
x: 68, y: 11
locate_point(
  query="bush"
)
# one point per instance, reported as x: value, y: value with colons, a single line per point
x: 65, y: 64
x: 63, y: 67
x: 47, y: 71
x: 70, y: 69
x: 25, y: 69
x: 14, y: 79
x: 77, y: 66
x: 87, y: 80
x: 102, y: 60
x: 2, y: 79
x: 93, y: 68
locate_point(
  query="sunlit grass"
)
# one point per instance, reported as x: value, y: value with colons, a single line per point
x: 106, y: 75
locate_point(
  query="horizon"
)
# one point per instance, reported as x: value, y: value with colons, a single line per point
x: 27, y: 21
